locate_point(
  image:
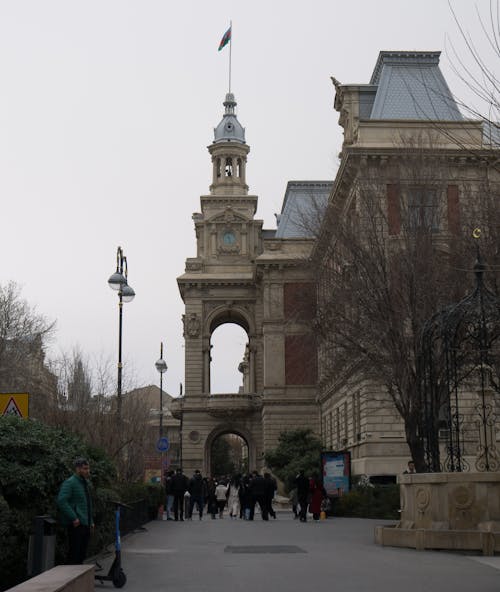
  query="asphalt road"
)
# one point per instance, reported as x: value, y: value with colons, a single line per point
x: 285, y: 555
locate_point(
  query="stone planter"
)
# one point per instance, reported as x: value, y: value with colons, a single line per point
x: 447, y: 511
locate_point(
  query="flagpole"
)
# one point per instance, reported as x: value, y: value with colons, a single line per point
x: 230, y: 47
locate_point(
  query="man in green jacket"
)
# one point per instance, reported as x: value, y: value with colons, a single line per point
x: 75, y: 506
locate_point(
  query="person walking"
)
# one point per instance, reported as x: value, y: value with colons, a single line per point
x: 221, y: 492
x: 233, y: 499
x: 258, y: 495
x: 179, y: 488
x: 295, y: 502
x: 211, y: 497
x: 198, y: 491
x: 317, y: 494
x: 169, y: 501
x: 245, y: 497
x: 271, y: 487
x: 302, y: 485
x: 75, y: 505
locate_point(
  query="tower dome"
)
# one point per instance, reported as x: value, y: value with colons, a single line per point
x: 229, y: 129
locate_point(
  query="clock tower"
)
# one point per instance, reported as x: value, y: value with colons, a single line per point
x: 219, y: 286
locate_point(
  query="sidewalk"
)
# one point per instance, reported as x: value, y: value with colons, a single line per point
x: 285, y: 555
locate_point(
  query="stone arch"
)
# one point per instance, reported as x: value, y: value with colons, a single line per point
x: 227, y: 428
x: 229, y: 314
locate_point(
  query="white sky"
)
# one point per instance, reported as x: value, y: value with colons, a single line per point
x: 106, y: 109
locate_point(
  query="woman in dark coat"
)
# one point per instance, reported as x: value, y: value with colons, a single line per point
x: 317, y: 493
x: 245, y: 497
x: 211, y: 498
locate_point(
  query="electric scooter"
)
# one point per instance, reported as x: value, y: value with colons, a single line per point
x: 115, y: 573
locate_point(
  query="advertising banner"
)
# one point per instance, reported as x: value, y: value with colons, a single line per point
x: 336, y: 470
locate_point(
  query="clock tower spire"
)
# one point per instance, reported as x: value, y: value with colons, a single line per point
x: 229, y: 153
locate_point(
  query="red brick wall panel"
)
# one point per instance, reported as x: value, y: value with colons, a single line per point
x: 299, y: 301
x: 300, y: 360
x: 393, y: 209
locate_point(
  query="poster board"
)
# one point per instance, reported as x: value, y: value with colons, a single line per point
x: 336, y: 472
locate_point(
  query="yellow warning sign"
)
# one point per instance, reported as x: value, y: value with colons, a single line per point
x: 14, y: 404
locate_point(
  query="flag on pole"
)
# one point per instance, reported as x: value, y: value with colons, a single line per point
x: 226, y: 38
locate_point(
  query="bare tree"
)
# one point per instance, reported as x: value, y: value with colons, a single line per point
x: 24, y: 334
x: 387, y: 258
x: 477, y: 68
x: 87, y: 406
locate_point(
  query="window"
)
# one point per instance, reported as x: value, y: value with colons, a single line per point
x: 422, y: 209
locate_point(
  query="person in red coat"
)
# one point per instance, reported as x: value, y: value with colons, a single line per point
x: 317, y: 494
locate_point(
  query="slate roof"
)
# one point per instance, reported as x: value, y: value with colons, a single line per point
x: 304, y: 203
x: 409, y: 85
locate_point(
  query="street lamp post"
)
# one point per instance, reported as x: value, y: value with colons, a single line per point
x: 161, y: 366
x: 118, y: 281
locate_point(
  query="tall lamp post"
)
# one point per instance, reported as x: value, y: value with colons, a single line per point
x: 161, y: 366
x: 118, y: 281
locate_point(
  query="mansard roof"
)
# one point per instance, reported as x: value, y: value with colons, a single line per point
x: 410, y: 85
x: 304, y: 203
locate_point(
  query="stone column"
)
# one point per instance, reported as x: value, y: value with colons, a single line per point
x: 251, y: 377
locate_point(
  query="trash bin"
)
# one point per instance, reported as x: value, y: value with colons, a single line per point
x: 42, y: 545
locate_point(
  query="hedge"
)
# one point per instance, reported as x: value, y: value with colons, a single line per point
x: 372, y: 501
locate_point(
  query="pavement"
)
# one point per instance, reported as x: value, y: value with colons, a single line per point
x: 285, y: 555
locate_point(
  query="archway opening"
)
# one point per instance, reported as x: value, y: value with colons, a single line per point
x: 229, y: 359
x: 228, y: 456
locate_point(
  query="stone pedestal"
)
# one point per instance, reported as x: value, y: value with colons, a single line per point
x: 447, y: 511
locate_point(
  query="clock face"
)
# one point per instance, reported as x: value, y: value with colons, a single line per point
x: 228, y: 238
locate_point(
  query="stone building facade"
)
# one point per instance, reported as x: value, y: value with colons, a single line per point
x: 263, y: 280
x: 408, y: 148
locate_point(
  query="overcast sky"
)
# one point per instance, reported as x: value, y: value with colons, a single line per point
x: 106, y: 110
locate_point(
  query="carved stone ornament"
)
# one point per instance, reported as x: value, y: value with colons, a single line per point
x: 194, y: 436
x: 193, y: 266
x: 228, y: 243
x: 422, y: 498
x: 192, y: 325
x: 463, y: 497
x: 228, y: 215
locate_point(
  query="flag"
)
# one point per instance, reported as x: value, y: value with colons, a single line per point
x: 226, y: 38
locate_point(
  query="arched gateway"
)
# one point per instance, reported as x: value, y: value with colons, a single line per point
x: 244, y: 275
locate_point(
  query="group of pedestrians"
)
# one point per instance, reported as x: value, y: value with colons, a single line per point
x: 309, y: 493
x: 240, y: 494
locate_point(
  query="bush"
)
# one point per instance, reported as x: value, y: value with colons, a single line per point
x: 371, y: 501
x: 297, y: 450
x: 34, y: 461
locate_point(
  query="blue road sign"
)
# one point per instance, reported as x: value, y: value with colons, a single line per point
x: 163, y: 444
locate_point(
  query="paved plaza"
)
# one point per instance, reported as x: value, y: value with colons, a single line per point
x: 284, y: 555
